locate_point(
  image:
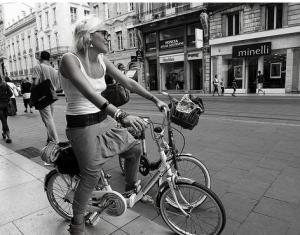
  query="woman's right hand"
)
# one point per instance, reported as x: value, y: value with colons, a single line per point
x: 137, y: 123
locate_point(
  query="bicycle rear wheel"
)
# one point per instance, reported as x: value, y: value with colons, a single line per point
x: 60, y: 193
x: 207, y: 218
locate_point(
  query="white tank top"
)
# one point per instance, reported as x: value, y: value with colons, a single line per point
x: 77, y: 104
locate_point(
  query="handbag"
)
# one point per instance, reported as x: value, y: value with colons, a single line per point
x: 43, y: 94
x: 116, y: 94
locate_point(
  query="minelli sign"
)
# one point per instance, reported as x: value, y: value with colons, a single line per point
x: 251, y: 50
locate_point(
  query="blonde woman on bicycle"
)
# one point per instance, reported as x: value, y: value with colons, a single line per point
x: 91, y: 119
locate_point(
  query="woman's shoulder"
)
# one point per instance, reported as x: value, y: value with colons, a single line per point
x: 70, y: 57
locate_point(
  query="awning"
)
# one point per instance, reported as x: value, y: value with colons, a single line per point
x: 130, y: 73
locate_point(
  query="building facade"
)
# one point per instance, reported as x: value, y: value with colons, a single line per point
x: 55, y: 26
x: 20, y: 43
x: 247, y: 38
x: 120, y: 19
x: 2, y: 44
x: 41, y: 30
x: 172, y: 59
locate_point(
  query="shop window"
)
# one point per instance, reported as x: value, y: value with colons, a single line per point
x: 171, y: 33
x: 235, y: 70
x: 274, y: 16
x: 171, y: 38
x: 191, y: 33
x: 150, y: 40
x: 173, y: 76
x: 274, y: 71
x: 233, y: 24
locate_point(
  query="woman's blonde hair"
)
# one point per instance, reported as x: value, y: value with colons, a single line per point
x: 83, y: 28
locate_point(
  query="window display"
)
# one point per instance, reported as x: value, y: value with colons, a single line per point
x: 274, y: 70
x: 173, y: 76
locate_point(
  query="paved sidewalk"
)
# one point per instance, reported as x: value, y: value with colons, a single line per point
x: 26, y: 210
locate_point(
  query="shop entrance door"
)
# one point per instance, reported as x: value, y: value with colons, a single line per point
x: 252, y: 71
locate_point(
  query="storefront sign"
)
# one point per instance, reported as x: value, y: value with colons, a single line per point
x: 172, y: 43
x: 195, y: 56
x: 171, y: 58
x: 251, y: 50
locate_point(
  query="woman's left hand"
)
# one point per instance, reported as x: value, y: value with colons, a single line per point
x: 162, y: 105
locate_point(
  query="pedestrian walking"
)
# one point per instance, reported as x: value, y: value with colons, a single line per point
x: 222, y: 87
x: 260, y: 83
x: 15, y: 92
x: 25, y: 90
x: 216, y: 85
x: 234, y: 86
x: 41, y: 72
x: 5, y: 94
x: 92, y: 122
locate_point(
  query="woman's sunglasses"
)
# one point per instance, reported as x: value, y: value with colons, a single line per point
x: 104, y: 33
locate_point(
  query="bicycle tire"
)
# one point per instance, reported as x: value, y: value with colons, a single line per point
x: 57, y: 189
x: 200, y: 216
x: 192, y: 168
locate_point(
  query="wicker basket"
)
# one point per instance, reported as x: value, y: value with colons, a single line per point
x: 185, y: 119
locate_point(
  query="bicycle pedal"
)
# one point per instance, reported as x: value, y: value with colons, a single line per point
x: 130, y: 200
x: 93, y: 219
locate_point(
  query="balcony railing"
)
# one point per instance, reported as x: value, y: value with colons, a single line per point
x: 165, y: 11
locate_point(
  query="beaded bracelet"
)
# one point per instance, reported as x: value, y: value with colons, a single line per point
x: 117, y: 113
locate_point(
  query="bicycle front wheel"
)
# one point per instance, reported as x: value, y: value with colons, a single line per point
x: 60, y: 193
x: 192, y: 168
x: 207, y: 218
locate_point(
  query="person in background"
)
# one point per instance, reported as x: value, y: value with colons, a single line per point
x: 260, y: 83
x: 222, y: 87
x: 41, y: 72
x: 234, y: 86
x: 25, y: 91
x: 14, y: 90
x: 92, y: 122
x: 216, y: 85
x: 5, y: 94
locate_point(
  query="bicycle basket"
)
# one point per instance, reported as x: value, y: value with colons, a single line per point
x: 186, y: 113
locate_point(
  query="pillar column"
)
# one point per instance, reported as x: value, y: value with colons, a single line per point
x: 206, y: 64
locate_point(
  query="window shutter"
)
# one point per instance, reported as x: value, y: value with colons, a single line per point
x: 241, y: 14
x: 285, y: 14
x: 263, y: 18
x: 224, y: 25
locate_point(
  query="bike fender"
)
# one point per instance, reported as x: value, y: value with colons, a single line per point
x: 47, y: 178
x: 165, y: 185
